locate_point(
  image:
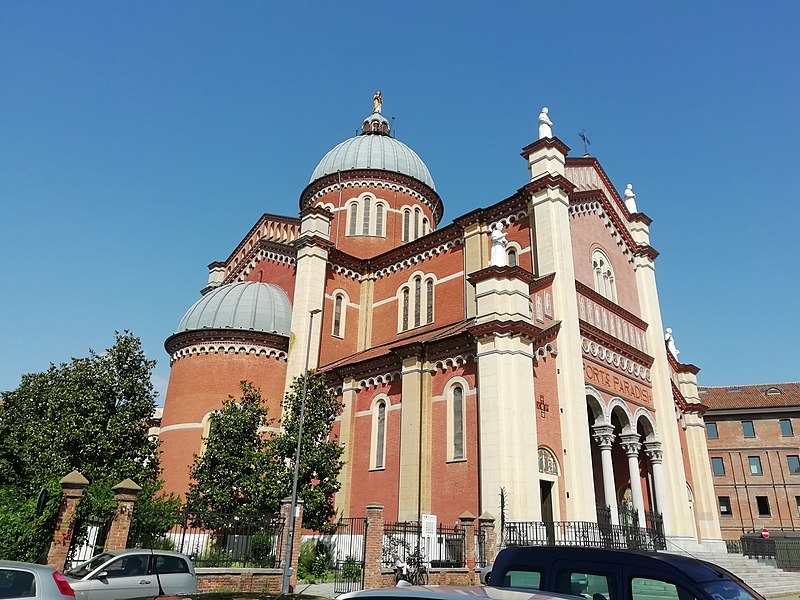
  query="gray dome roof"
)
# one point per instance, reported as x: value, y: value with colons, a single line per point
x: 248, y: 306
x: 374, y: 150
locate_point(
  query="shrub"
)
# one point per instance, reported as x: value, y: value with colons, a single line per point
x: 261, y: 549
x: 314, y: 561
x: 351, y: 569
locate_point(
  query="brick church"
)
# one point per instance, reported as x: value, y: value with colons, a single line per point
x: 519, y: 346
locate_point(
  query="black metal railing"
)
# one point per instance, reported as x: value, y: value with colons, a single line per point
x: 216, y: 539
x: 582, y: 533
x: 403, y: 542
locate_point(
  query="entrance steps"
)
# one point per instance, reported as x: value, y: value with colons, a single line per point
x: 766, y: 579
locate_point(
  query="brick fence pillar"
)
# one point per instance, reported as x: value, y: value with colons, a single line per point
x: 373, y: 552
x: 286, y: 507
x: 72, y: 486
x: 486, y: 523
x: 125, y: 496
x: 467, y: 520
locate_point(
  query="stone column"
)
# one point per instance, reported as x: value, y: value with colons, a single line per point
x: 72, y: 485
x: 125, y: 496
x: 467, y: 520
x: 373, y: 553
x: 653, y: 452
x: 604, y: 438
x: 286, y: 507
x: 486, y: 523
x: 631, y: 445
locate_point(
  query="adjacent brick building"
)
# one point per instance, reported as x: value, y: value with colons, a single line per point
x: 519, y: 346
x: 753, y: 434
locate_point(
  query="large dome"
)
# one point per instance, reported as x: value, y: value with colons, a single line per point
x: 248, y: 306
x: 374, y: 148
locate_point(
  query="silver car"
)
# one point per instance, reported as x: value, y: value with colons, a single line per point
x: 133, y: 573
x: 27, y: 580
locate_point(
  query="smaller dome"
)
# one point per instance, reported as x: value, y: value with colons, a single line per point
x: 247, y: 306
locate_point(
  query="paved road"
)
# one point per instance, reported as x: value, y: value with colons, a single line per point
x: 316, y: 589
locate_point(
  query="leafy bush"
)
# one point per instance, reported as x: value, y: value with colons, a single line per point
x: 351, y: 569
x: 314, y: 561
x: 24, y: 535
x: 262, y: 549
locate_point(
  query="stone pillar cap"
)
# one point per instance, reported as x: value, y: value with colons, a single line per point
x: 126, y: 485
x: 466, y: 516
x: 374, y: 506
x: 485, y: 516
x: 74, y: 480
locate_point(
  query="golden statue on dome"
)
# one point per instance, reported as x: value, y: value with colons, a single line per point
x: 377, y: 102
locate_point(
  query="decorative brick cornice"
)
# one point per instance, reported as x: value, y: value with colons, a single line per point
x: 615, y: 308
x: 679, y: 367
x: 521, y: 328
x: 549, y: 181
x: 290, y: 221
x: 598, y: 335
x: 551, y: 142
x: 315, y: 210
x: 495, y: 272
x: 543, y: 282
x: 586, y: 196
x: 226, y: 337
x: 647, y: 251
x: 319, y: 187
x: 411, y: 253
x: 307, y: 241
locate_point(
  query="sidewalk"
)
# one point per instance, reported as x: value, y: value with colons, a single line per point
x: 324, y: 590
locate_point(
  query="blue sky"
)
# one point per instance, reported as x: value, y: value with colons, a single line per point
x: 140, y: 141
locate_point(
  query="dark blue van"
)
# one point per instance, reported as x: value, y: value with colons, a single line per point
x: 598, y: 574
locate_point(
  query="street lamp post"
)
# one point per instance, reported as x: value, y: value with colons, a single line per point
x: 287, y: 564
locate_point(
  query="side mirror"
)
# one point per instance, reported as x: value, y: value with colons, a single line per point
x: 101, y: 575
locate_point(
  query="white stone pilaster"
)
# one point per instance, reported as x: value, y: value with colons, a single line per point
x: 676, y: 509
x: 549, y: 210
x: 653, y: 452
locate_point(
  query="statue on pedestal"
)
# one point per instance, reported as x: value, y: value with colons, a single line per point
x: 545, y: 124
x: 377, y: 102
x: 630, y: 198
x: 668, y: 337
x: 498, y: 257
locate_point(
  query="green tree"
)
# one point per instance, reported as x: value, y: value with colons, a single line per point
x: 89, y: 414
x: 229, y: 476
x: 320, y: 453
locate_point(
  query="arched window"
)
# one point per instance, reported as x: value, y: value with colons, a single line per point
x: 406, y: 225
x: 367, y: 210
x: 405, y: 308
x: 380, y: 434
x: 417, y: 301
x: 417, y: 222
x: 458, y: 422
x: 429, y: 301
x: 379, y: 220
x: 604, y: 282
x: 353, y: 219
x: 512, y: 257
x: 338, y: 316
x: 424, y: 225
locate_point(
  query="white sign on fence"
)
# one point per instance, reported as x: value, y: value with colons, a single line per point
x: 428, y: 525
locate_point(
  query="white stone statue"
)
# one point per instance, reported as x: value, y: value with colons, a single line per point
x: 668, y: 337
x: 630, y: 199
x: 545, y: 125
x: 498, y: 257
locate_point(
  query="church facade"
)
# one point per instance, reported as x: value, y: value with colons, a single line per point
x: 519, y: 347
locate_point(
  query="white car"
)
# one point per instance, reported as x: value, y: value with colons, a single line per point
x: 134, y: 573
x: 27, y: 580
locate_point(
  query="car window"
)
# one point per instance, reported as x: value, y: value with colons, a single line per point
x: 169, y: 564
x: 17, y: 584
x: 644, y: 588
x: 521, y: 578
x: 597, y: 586
x: 83, y: 569
x: 127, y: 566
x: 726, y: 589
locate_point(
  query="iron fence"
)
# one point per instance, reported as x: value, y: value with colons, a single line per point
x: 403, y: 542
x: 581, y: 533
x: 213, y: 539
x: 480, y: 548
